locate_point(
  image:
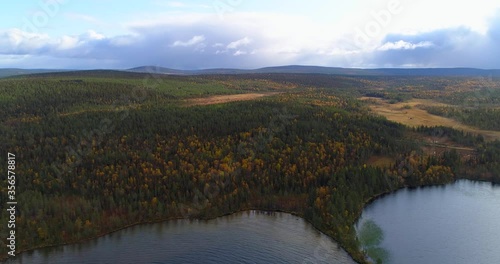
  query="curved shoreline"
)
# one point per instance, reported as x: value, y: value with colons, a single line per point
x: 434, y: 205
x: 2, y: 260
x: 365, y: 204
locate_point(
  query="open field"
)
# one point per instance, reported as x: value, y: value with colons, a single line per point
x: 408, y: 114
x: 220, y: 99
x: 380, y: 161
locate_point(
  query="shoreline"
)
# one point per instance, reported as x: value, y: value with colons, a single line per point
x: 248, y: 209
x: 4, y: 259
x: 383, y: 194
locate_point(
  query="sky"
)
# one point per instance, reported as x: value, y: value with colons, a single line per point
x: 249, y: 34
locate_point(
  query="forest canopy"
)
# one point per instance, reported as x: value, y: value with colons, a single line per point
x: 98, y: 151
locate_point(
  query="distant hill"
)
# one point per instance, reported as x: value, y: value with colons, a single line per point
x: 161, y: 70
x: 291, y: 69
x: 297, y: 69
x: 470, y: 72
x: 14, y: 71
x: 279, y: 69
x: 88, y: 73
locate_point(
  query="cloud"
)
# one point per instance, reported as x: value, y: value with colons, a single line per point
x: 94, y: 35
x: 403, y: 45
x: 455, y: 47
x: 17, y: 42
x: 248, y: 40
x: 242, y: 42
x: 494, y: 29
x: 193, y: 41
x: 67, y: 42
x: 240, y: 52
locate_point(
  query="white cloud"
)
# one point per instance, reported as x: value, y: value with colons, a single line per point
x: 68, y: 42
x: 240, y: 52
x: 15, y: 41
x: 430, y: 15
x: 94, y: 35
x: 271, y: 39
x: 241, y: 42
x: 193, y: 41
x: 403, y: 45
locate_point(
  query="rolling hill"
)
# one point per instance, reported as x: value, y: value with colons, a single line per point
x: 293, y: 69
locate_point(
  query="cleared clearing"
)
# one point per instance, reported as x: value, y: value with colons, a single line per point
x: 407, y: 113
x: 380, y: 161
x: 221, y: 99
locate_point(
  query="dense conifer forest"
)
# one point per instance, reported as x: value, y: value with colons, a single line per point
x: 98, y: 151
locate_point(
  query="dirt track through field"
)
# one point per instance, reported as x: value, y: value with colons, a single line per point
x: 221, y: 99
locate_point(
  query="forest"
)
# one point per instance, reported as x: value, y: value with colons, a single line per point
x: 97, y: 151
x: 481, y: 117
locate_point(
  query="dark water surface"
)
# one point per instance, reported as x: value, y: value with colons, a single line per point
x: 453, y: 224
x: 248, y: 237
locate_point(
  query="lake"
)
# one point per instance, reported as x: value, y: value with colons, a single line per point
x: 247, y: 237
x: 458, y: 223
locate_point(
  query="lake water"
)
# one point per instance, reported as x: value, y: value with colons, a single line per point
x: 457, y: 223
x: 248, y: 237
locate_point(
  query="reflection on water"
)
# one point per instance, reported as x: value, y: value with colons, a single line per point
x: 457, y: 223
x: 247, y: 237
x: 370, y: 236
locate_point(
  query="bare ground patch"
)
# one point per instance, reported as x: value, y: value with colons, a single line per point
x: 408, y: 114
x: 221, y: 99
x: 380, y: 161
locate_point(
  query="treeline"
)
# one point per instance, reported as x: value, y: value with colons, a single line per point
x: 90, y: 172
x: 482, y: 95
x: 484, y: 164
x: 439, y: 133
x: 30, y: 98
x: 480, y: 117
